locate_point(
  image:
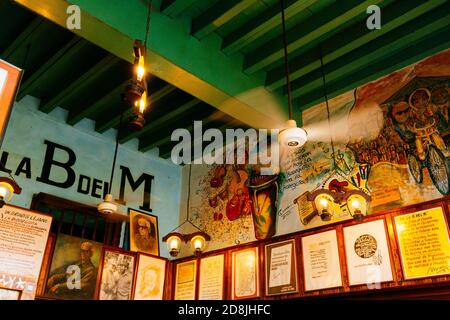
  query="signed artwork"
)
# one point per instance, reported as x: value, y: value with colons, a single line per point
x: 245, y: 283
x: 424, y: 242
x: 150, y: 277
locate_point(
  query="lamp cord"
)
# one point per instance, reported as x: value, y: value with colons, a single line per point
x: 286, y: 61
x: 115, y: 153
x: 147, y: 27
x: 328, y: 108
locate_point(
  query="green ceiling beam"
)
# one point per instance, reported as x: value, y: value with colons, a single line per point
x: 420, y: 50
x: 217, y: 15
x: 196, y: 67
x: 46, y: 71
x: 87, y: 78
x: 166, y: 120
x: 305, y: 32
x: 349, y: 39
x: 173, y: 8
x: 262, y: 23
x: 35, y: 25
x: 376, y: 50
x: 112, y: 97
x: 102, y: 126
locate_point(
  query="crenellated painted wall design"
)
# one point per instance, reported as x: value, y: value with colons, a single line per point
x: 30, y: 134
x: 387, y: 136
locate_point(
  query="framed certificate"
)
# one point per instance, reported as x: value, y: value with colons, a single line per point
x: 367, y: 251
x: 185, y: 280
x: 281, y: 268
x: 424, y: 243
x: 245, y: 274
x: 211, y: 277
x: 321, y: 265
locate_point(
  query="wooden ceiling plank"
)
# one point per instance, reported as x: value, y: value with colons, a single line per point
x: 29, y: 30
x: 305, y: 32
x: 217, y: 15
x: 349, y: 39
x: 264, y: 22
x: 375, y: 50
x: 174, y: 8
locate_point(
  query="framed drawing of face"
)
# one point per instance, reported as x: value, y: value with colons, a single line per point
x: 73, y: 256
x: 150, y: 277
x: 116, y: 278
x: 144, y: 232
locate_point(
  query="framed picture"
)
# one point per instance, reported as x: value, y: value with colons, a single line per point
x: 367, y: 251
x: 150, y: 277
x: 321, y: 265
x: 10, y: 78
x: 424, y: 242
x: 281, y: 268
x: 211, y: 277
x: 117, y: 273
x: 185, y: 280
x: 9, y: 294
x: 73, y: 256
x: 144, y: 235
x: 245, y: 274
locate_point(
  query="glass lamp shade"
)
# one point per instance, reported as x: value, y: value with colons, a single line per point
x: 174, y: 244
x: 198, y: 243
x: 358, y: 206
x: 7, y: 189
x: 324, y: 205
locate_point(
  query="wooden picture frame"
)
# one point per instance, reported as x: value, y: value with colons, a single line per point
x: 185, y: 280
x: 150, y: 277
x: 281, y: 268
x: 211, y: 284
x: 144, y: 232
x: 245, y: 273
x: 367, y: 246
x: 10, y: 294
x: 424, y: 265
x: 116, y: 274
x: 322, y: 250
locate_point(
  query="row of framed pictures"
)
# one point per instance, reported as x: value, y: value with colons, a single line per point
x: 363, y: 252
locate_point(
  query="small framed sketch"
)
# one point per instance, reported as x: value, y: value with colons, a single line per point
x: 144, y: 235
x: 211, y: 277
x: 245, y: 274
x: 367, y: 251
x: 185, y: 280
x: 150, y: 277
x: 117, y: 272
x: 322, y: 269
x: 281, y: 268
x: 9, y: 294
x: 424, y: 242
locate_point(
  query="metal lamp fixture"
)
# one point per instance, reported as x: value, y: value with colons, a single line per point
x: 8, y: 187
x: 198, y: 239
x: 292, y: 136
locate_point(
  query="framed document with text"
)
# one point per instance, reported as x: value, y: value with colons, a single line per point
x: 185, y: 280
x: 211, y: 277
x: 245, y: 274
x: 367, y: 251
x: 281, y: 268
x: 424, y: 243
x: 322, y: 269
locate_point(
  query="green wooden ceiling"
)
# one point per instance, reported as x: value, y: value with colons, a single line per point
x: 203, y: 53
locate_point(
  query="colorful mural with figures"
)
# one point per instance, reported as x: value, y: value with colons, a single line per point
x: 388, y: 139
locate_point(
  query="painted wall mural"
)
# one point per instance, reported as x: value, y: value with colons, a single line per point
x: 398, y: 155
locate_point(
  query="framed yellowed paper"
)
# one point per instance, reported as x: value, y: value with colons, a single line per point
x: 150, y: 278
x: 185, y: 280
x: 144, y: 235
x: 245, y: 274
x: 211, y: 277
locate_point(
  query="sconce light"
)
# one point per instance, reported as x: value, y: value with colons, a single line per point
x: 197, y: 240
x: 7, y: 188
x: 357, y: 202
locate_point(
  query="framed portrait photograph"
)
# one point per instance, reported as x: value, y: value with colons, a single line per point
x: 245, y: 274
x: 73, y: 256
x: 211, y: 277
x: 9, y: 294
x: 150, y: 278
x: 281, y: 268
x: 367, y: 251
x: 321, y: 265
x: 185, y: 280
x: 429, y: 229
x: 117, y: 273
x: 144, y: 235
